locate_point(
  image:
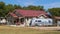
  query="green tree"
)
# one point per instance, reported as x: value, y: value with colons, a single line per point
x: 54, y: 11
x: 9, y: 7
x: 2, y: 4
x: 17, y: 7
x: 31, y: 7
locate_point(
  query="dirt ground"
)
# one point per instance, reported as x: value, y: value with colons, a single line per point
x: 43, y: 28
x: 27, y: 30
x: 46, y: 28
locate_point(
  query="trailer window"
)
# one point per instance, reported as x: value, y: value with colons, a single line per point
x: 39, y: 20
x: 35, y: 20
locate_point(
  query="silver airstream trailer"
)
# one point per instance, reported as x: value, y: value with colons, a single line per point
x: 41, y: 22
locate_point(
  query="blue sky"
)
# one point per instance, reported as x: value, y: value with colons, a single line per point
x: 46, y: 3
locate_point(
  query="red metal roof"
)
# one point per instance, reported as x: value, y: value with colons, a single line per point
x: 30, y: 13
x: 13, y: 15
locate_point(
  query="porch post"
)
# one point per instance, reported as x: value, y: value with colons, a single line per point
x: 7, y: 22
x: 19, y: 19
x: 12, y: 21
x: 25, y: 20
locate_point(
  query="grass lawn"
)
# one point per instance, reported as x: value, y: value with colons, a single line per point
x: 24, y: 30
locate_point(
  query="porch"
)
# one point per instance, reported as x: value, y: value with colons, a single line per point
x: 20, y: 21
